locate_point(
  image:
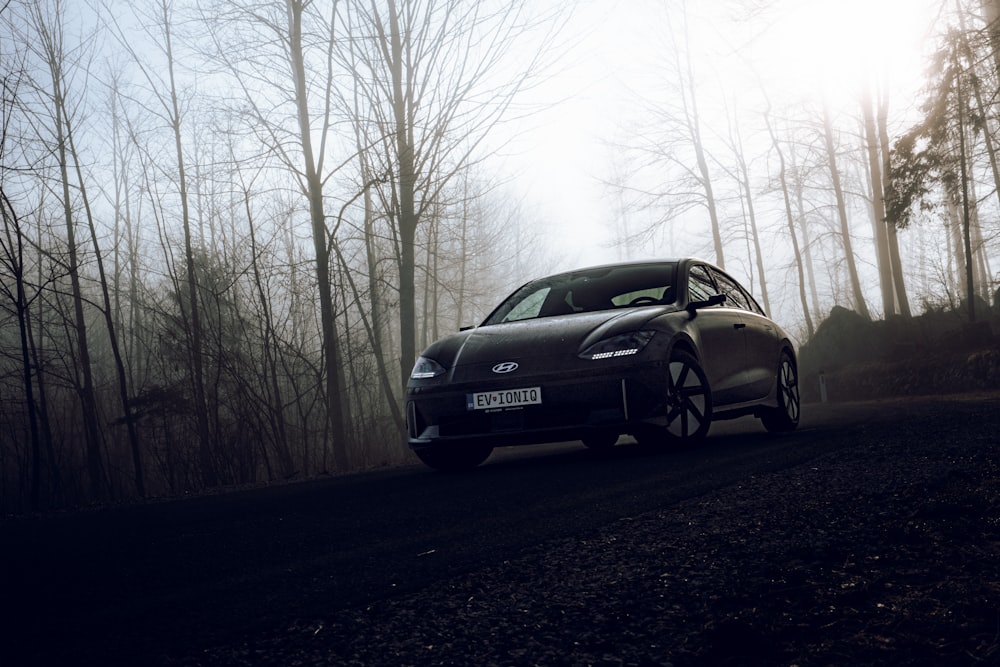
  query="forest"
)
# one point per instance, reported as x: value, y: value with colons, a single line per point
x: 229, y: 226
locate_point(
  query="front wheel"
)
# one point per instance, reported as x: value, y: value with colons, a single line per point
x: 688, y: 403
x: 454, y: 457
x: 785, y: 417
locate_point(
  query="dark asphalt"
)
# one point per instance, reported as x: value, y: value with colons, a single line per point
x: 127, y: 585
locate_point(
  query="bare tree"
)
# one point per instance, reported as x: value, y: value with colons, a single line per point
x: 798, y: 181
x: 991, y: 17
x: 891, y: 230
x: 673, y: 172
x: 964, y: 186
x: 12, y: 263
x: 428, y: 72
x: 313, y: 168
x: 783, y: 182
x: 48, y: 30
x: 741, y: 174
x: 70, y: 152
x: 269, y: 345
x: 375, y: 322
x: 166, y: 92
x: 294, y: 52
x: 845, y: 230
x: 14, y: 279
x: 938, y: 151
x: 872, y: 145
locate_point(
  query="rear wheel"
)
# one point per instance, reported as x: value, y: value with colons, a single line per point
x: 785, y: 417
x: 688, y: 403
x: 454, y: 457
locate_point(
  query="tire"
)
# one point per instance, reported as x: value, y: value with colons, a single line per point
x: 785, y: 417
x: 688, y: 408
x: 601, y: 441
x: 454, y: 457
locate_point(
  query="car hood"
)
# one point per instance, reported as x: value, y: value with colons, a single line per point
x: 537, y: 345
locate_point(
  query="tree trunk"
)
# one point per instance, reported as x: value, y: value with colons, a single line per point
x: 982, y: 258
x: 991, y: 9
x: 991, y: 15
x: 790, y: 220
x: 383, y: 374
x: 14, y: 263
x: 276, y: 407
x: 407, y: 216
x: 463, y: 257
x: 85, y: 383
x: 117, y: 319
x: 317, y: 215
x: 970, y: 286
x: 109, y: 322
x: 744, y: 178
x: 985, y: 112
x: 956, y: 258
x: 800, y: 210
x: 206, y: 460
x: 845, y: 230
x: 892, y: 232
x: 705, y: 175
x: 878, y: 206
x: 85, y: 388
x: 375, y: 330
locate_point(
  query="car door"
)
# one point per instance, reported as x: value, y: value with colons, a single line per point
x: 719, y: 331
x: 760, y: 341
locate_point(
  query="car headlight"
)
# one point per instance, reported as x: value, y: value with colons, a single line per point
x: 623, y: 345
x: 425, y: 369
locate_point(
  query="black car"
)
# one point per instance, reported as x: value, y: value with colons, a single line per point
x: 654, y: 349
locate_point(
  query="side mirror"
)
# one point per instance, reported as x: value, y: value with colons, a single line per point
x: 714, y: 300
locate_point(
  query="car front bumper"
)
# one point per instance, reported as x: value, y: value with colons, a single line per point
x: 573, y: 407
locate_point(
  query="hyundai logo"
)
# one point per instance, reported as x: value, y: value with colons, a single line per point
x: 505, y: 367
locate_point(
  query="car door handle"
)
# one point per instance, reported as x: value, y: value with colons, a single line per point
x: 739, y: 325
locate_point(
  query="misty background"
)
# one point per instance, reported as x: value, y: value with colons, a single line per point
x: 228, y: 227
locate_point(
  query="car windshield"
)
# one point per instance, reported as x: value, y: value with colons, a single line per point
x: 590, y: 290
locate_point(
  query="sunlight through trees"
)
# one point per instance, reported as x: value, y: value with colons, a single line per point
x: 227, y: 226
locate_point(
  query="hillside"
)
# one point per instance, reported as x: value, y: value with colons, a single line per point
x: 934, y: 353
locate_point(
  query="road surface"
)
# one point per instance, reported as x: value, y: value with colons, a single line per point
x: 136, y: 585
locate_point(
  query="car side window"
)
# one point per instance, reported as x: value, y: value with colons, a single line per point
x: 736, y: 294
x: 735, y: 297
x: 754, y: 306
x: 700, y: 284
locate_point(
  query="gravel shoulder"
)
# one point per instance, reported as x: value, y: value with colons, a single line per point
x: 886, y: 551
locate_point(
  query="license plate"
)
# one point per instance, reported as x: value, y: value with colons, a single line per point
x: 507, y: 398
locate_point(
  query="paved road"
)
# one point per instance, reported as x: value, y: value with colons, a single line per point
x: 126, y: 585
